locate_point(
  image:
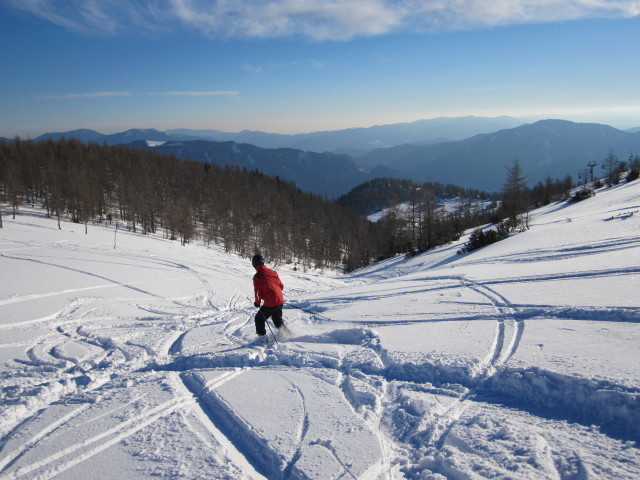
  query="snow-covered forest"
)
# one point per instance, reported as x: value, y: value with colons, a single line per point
x: 243, y: 211
x: 129, y: 355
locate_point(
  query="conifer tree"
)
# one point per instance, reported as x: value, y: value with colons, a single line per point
x: 609, y: 166
x: 515, y: 195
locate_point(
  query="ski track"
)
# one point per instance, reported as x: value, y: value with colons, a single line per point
x: 73, y: 454
x: 232, y: 321
x: 249, y: 449
x: 438, y: 429
x: 497, y: 355
x: 229, y: 449
x: 112, y: 282
x: 301, y: 434
x: 20, y: 449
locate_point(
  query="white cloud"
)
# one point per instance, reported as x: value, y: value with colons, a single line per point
x: 312, y: 64
x: 94, y: 17
x: 255, y: 69
x: 201, y: 94
x: 443, y: 14
x: 318, y: 20
x: 313, y: 19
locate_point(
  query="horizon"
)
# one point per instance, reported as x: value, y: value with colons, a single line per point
x: 285, y: 68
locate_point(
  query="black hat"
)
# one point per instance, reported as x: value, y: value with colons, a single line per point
x: 257, y: 260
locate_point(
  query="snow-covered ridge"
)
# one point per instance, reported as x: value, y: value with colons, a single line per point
x: 519, y: 360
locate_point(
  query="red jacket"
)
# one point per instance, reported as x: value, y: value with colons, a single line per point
x: 268, y: 287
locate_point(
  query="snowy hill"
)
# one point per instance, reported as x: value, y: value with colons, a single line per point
x: 129, y: 356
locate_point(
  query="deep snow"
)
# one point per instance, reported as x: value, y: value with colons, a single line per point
x: 520, y: 360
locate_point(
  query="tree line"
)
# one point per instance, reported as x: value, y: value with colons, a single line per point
x: 375, y: 194
x: 518, y: 199
x: 246, y: 212
x: 421, y: 216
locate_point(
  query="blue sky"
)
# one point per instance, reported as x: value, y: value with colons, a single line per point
x: 295, y: 66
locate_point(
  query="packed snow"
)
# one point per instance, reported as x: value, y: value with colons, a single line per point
x: 129, y: 356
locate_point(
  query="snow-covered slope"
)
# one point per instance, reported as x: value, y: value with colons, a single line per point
x: 520, y: 360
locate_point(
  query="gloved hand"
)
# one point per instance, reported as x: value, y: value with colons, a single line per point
x: 256, y: 304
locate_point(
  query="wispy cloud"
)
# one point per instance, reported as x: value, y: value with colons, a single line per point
x: 255, y: 69
x: 313, y: 19
x: 84, y: 95
x: 443, y: 15
x: 229, y: 93
x: 95, y: 17
x: 312, y: 64
x: 325, y: 20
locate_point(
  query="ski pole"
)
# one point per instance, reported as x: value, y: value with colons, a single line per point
x: 308, y: 311
x: 267, y: 324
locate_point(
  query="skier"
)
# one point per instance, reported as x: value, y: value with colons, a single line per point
x: 268, y: 289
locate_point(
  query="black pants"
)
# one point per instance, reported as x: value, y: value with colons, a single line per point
x: 275, y: 313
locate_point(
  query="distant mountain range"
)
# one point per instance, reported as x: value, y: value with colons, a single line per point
x: 122, y: 138
x: 471, y: 152
x: 327, y: 174
x: 358, y: 141
x: 352, y: 141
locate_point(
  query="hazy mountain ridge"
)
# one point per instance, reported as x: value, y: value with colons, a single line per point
x: 82, y: 134
x: 357, y: 141
x: 326, y: 173
x: 554, y: 148
x: 120, y: 138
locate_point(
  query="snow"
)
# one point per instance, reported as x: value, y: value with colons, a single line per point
x: 445, y: 205
x: 520, y: 360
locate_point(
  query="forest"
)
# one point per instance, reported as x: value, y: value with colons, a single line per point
x: 245, y: 212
